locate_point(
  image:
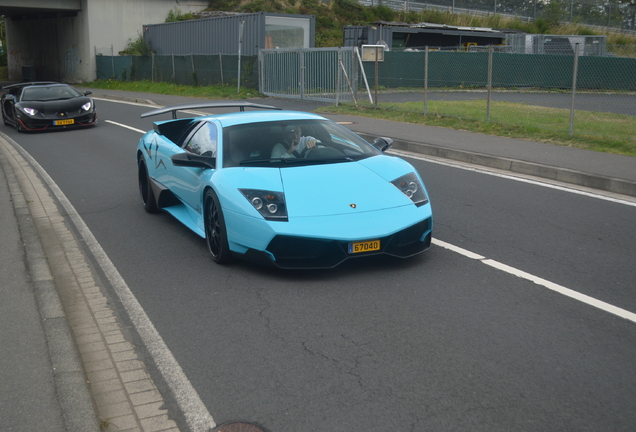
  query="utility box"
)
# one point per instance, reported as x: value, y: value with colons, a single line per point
x: 369, y: 53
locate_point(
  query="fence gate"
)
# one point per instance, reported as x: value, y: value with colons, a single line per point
x: 320, y: 74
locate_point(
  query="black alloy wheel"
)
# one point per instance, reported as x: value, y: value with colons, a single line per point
x: 215, y: 232
x: 16, y: 123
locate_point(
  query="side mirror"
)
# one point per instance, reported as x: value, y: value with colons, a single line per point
x: 9, y: 97
x: 382, y: 143
x: 192, y: 160
x: 88, y: 92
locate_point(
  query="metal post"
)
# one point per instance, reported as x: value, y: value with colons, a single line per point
x: 364, y: 75
x: 574, y: 77
x: 426, y: 80
x: 194, y: 71
x: 490, y: 51
x: 261, y: 70
x: 221, y: 67
x: 354, y: 72
x: 240, y: 43
x: 344, y: 72
x: 301, y: 53
x: 338, y: 84
x: 375, y: 102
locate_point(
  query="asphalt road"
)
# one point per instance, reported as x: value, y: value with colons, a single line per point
x: 438, y: 342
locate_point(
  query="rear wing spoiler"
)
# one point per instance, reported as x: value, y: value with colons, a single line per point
x: 26, y: 84
x: 192, y: 106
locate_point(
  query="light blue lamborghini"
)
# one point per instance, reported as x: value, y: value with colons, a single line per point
x: 292, y: 189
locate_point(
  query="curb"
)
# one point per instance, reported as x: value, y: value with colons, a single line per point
x: 70, y: 382
x: 565, y: 175
x: 117, y: 382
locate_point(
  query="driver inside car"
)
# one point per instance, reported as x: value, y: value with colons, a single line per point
x: 294, y: 145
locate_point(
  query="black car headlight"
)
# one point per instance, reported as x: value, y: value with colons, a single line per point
x: 410, y: 186
x: 87, y: 106
x: 271, y: 205
x: 29, y: 111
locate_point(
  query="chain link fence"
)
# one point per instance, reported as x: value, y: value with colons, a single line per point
x: 192, y: 69
x: 321, y: 74
x: 581, y: 94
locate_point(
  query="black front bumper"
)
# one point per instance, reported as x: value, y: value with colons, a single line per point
x: 40, y: 124
x: 304, y: 253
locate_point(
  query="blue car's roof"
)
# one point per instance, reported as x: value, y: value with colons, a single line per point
x: 236, y: 118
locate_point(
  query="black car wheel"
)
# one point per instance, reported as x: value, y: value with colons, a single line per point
x: 16, y: 124
x: 145, y: 189
x: 215, y: 232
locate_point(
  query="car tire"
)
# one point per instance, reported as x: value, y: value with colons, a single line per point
x: 215, y: 231
x: 145, y: 189
x: 16, y: 125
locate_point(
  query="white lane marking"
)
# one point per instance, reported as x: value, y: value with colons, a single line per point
x: 457, y: 249
x: 591, y: 301
x: 195, y: 412
x: 518, y: 178
x: 125, y: 126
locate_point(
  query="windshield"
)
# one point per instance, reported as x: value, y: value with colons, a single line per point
x: 292, y: 143
x: 46, y: 93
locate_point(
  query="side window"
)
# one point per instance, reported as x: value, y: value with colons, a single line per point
x: 203, y: 142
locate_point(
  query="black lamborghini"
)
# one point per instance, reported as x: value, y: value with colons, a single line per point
x: 37, y: 106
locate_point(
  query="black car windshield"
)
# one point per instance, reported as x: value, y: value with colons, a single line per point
x: 292, y: 143
x: 47, y: 93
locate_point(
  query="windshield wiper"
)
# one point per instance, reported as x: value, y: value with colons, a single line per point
x: 313, y: 161
x: 296, y: 161
x: 256, y: 161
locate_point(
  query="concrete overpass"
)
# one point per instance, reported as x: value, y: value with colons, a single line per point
x: 58, y: 40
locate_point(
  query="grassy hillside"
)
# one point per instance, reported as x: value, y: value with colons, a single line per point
x: 331, y: 16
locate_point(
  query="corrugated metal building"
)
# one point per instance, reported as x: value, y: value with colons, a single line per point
x: 399, y: 36
x: 220, y: 34
x: 557, y: 44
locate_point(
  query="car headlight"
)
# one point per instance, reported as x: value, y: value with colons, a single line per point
x: 30, y: 111
x: 410, y: 186
x: 271, y: 205
x: 87, y: 106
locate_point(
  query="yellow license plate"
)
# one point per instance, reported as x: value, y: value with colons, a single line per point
x: 366, y: 246
x: 63, y: 122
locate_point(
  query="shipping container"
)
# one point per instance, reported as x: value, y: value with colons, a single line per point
x: 225, y: 34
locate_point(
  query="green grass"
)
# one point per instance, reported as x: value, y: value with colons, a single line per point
x: 206, y: 92
x: 603, y: 132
